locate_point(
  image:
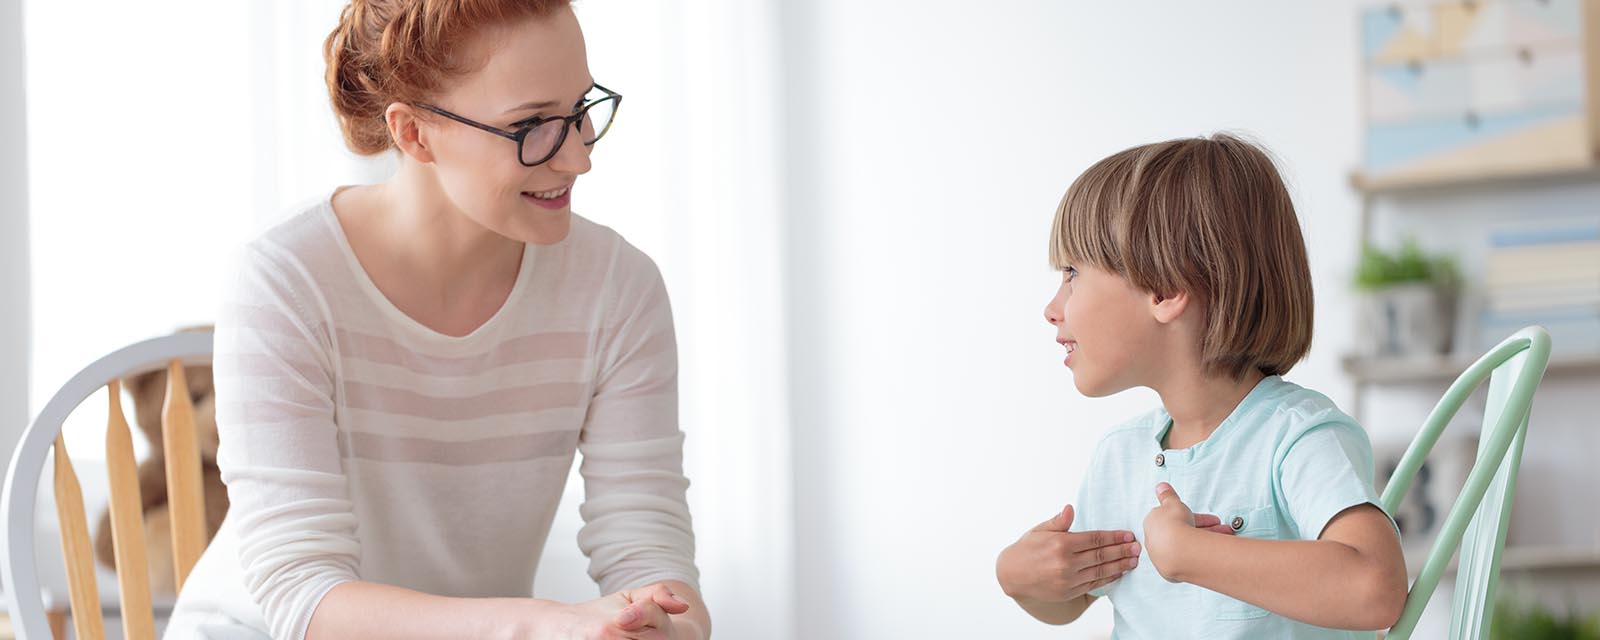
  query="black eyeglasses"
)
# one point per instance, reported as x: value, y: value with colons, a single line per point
x: 538, y: 139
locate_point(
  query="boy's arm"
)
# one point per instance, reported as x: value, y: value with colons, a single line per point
x: 1352, y: 577
x: 1056, y: 612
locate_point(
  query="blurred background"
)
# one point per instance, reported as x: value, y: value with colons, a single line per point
x: 851, y: 201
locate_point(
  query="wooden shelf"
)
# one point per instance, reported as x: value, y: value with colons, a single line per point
x: 1537, y: 176
x: 1526, y: 559
x: 1447, y: 368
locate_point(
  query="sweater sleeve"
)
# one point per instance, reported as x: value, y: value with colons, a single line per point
x: 636, y: 517
x: 278, y: 450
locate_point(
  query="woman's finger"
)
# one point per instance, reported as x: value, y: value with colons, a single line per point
x: 663, y: 597
x: 642, y: 614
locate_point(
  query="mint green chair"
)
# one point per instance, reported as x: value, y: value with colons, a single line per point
x: 1514, y: 369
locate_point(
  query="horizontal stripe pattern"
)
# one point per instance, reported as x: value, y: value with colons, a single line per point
x: 359, y: 445
x: 530, y: 446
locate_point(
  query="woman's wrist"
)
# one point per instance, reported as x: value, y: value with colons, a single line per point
x: 691, y: 627
x: 517, y: 618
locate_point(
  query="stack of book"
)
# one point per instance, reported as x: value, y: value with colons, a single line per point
x: 1547, y: 275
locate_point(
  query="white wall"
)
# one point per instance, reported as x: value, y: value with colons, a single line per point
x: 139, y: 180
x: 14, y: 279
x: 929, y: 144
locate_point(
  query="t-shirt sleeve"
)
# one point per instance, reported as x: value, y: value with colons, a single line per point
x: 1324, y: 470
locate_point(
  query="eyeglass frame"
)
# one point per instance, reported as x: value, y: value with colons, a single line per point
x: 524, y: 126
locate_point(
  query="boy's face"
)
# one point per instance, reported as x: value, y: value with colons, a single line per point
x: 1106, y: 325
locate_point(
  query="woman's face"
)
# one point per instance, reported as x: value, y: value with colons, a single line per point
x: 534, y: 68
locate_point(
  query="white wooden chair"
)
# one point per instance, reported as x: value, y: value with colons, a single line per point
x: 18, y: 565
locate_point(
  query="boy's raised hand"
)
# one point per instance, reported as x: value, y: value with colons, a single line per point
x: 1170, y: 520
x: 1050, y: 564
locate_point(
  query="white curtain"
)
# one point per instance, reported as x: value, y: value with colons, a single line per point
x: 694, y: 176
x: 14, y: 284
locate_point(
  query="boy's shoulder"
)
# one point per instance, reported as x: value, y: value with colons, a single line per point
x: 1295, y: 409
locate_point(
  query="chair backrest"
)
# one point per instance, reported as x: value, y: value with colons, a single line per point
x: 1482, y: 512
x: 182, y: 456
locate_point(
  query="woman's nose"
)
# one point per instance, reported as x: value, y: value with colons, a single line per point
x: 1050, y: 314
x: 573, y: 156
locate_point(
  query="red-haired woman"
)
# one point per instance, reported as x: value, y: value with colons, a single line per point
x: 405, y: 370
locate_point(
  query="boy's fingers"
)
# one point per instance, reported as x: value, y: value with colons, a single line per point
x: 1107, y: 570
x: 1220, y: 528
x: 1100, y: 583
x: 1206, y: 520
x: 1165, y: 493
x: 1113, y: 553
x: 1090, y: 540
x: 1058, y: 522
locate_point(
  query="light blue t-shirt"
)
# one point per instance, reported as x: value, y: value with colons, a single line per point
x: 1282, y: 465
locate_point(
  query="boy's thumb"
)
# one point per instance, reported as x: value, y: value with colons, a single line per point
x: 1165, y: 491
x: 1059, y: 522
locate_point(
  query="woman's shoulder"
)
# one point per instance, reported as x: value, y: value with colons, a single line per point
x: 607, y: 251
x: 298, y: 259
x: 303, y: 233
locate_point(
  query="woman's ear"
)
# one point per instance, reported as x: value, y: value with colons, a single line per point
x: 406, y: 129
x: 1168, y: 307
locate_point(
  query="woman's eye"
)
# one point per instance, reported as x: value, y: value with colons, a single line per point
x: 1070, y: 274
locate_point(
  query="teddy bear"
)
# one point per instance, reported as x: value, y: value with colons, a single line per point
x: 148, y: 391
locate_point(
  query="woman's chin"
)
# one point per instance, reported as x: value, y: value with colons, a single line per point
x: 548, y: 227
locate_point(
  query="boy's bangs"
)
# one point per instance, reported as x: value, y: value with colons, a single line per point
x: 1084, y: 231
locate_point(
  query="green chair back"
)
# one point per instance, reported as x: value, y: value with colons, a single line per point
x: 1482, y: 512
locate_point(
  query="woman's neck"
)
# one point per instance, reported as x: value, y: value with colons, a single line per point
x: 417, y: 225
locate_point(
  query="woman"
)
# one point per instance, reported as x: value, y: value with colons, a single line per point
x: 405, y: 370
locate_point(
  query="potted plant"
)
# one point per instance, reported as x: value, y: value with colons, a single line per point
x: 1408, y: 301
x: 1518, y: 621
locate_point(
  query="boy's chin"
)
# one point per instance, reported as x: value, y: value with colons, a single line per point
x: 1091, y: 387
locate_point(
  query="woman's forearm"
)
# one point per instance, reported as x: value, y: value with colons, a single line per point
x: 1320, y: 582
x: 361, y: 610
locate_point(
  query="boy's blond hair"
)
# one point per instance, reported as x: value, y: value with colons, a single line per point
x: 1206, y: 216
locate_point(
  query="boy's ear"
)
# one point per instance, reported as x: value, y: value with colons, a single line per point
x: 1168, y: 307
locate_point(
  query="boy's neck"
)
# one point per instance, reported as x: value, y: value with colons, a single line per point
x: 1199, y: 403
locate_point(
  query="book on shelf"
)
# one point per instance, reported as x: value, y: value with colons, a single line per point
x: 1547, y: 274
x: 1545, y: 233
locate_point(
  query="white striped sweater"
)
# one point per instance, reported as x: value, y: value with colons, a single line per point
x: 358, y: 444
